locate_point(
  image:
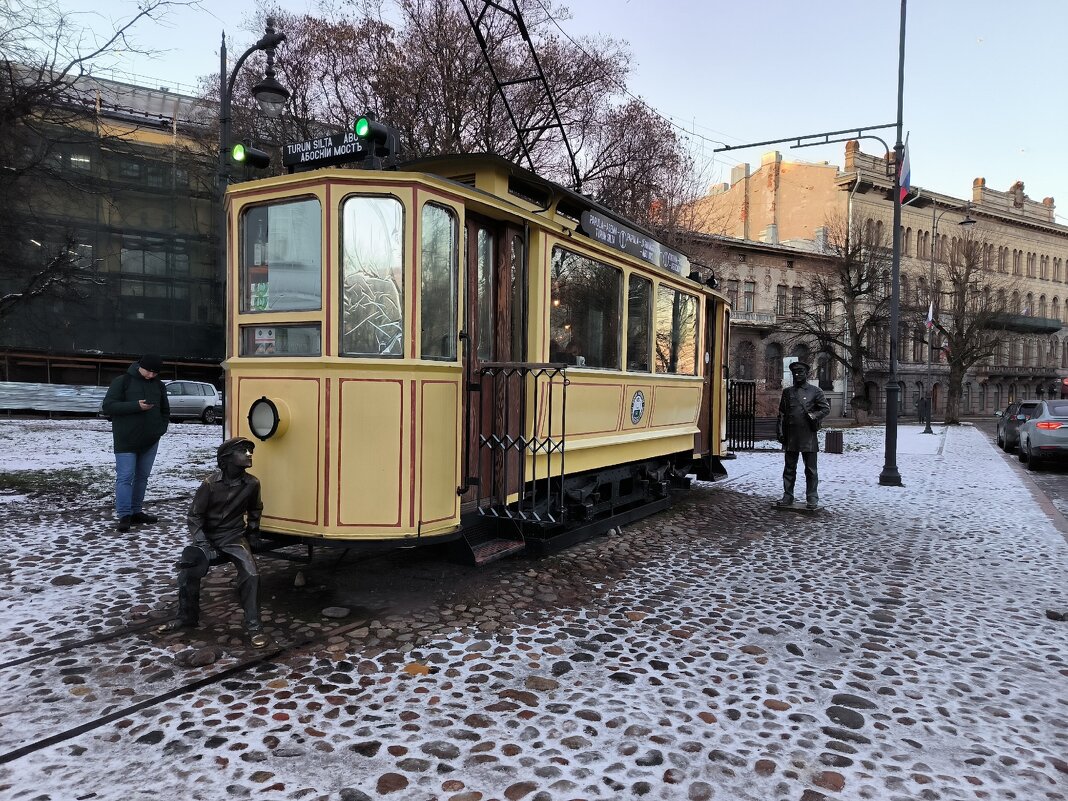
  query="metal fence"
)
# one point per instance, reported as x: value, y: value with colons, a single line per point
x: 30, y: 397
x: 741, y: 415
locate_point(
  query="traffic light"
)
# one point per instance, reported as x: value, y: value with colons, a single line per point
x: 381, y: 138
x: 250, y: 156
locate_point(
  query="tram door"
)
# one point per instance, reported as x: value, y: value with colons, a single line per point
x: 708, y: 432
x: 496, y: 302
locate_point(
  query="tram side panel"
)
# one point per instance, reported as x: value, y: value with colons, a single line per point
x: 289, y: 465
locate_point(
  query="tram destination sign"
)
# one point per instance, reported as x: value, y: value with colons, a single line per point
x: 614, y: 234
x: 325, y: 150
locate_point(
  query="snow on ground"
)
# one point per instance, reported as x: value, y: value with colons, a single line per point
x: 74, y: 458
x: 892, y: 648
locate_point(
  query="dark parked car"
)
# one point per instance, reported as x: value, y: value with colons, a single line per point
x: 194, y: 400
x: 1044, y: 435
x: 1011, y: 420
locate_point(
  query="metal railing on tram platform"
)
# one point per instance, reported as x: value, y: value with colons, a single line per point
x: 525, y: 403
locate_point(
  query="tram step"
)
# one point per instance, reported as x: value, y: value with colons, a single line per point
x: 492, y: 550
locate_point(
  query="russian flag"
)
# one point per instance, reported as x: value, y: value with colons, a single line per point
x: 906, y: 171
x: 930, y: 316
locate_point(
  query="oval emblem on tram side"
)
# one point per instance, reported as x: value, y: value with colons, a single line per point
x: 637, y: 407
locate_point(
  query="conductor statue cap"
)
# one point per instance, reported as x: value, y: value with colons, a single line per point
x: 234, y: 444
x: 798, y: 366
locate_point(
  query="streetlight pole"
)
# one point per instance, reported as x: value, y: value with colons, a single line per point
x: 966, y: 222
x: 271, y: 97
x: 890, y: 475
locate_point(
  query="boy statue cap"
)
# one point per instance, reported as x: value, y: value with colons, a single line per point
x: 234, y: 444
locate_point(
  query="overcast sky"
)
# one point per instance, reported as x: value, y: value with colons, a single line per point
x: 984, y: 79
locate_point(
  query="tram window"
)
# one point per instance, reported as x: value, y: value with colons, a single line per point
x: 584, y: 320
x: 676, y: 332
x: 437, y: 290
x: 639, y: 319
x: 486, y: 282
x: 281, y: 257
x: 372, y: 276
x: 281, y: 340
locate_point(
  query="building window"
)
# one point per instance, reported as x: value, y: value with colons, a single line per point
x: 795, y: 306
x: 789, y: 264
x: 154, y: 300
x: 780, y: 300
x: 80, y: 162
x: 744, y: 356
x: 773, y: 364
x: 749, y: 296
x: 130, y: 170
x: 154, y: 256
x: 732, y: 293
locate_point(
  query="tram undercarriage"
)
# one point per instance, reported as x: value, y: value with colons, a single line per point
x: 564, y: 511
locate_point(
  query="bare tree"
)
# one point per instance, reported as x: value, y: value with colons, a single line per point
x: 416, y: 64
x: 48, y: 105
x: 845, y: 310
x: 971, y: 310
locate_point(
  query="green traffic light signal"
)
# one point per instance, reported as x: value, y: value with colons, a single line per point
x: 253, y: 157
x: 381, y: 139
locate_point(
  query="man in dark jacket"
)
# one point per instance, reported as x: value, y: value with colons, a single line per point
x: 139, y: 410
x: 225, y: 513
x: 801, y: 409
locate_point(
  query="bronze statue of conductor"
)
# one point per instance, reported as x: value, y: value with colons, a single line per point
x: 225, y: 513
x: 801, y: 409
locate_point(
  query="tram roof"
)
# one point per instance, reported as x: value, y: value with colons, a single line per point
x: 464, y: 168
x: 501, y: 178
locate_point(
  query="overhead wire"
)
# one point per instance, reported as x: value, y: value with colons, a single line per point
x: 623, y: 87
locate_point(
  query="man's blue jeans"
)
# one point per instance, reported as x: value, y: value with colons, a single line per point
x: 131, y: 480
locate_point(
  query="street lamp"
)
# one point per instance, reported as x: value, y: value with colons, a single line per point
x: 271, y: 97
x: 889, y: 476
x: 967, y: 222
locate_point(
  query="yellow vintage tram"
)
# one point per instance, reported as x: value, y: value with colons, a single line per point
x: 460, y: 348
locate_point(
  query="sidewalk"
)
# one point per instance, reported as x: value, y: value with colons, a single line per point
x: 893, y: 647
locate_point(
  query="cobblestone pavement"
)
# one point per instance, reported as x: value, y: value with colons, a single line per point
x: 894, y: 646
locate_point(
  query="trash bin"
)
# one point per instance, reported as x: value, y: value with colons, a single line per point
x: 833, y: 443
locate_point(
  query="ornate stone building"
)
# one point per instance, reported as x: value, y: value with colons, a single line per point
x: 777, y: 215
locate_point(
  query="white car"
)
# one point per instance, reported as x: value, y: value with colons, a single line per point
x: 194, y: 400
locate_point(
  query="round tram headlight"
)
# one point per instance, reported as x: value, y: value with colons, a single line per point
x: 268, y: 418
